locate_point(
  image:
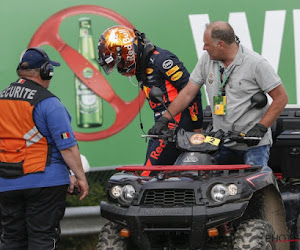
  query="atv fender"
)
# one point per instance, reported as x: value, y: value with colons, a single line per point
x: 274, y: 213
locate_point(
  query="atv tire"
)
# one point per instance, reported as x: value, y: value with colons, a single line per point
x: 254, y: 235
x: 110, y: 239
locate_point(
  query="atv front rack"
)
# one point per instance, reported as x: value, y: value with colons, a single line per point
x: 183, y: 167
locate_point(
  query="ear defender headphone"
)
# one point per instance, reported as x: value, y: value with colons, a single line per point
x: 46, y: 70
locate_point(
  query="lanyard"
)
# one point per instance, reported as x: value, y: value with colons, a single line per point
x: 222, y: 83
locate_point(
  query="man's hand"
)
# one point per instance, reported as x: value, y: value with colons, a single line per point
x: 72, y: 184
x: 83, y: 188
x: 258, y: 130
x: 78, y: 187
x: 159, y: 126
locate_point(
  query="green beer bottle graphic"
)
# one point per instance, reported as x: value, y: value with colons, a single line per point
x: 89, y: 110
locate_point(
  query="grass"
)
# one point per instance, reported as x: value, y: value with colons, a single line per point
x: 79, y: 242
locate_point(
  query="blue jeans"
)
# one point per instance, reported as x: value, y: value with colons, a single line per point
x: 253, y: 156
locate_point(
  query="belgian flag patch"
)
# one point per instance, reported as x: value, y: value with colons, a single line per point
x: 65, y: 135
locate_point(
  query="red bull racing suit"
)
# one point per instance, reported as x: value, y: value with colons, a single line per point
x: 165, y: 71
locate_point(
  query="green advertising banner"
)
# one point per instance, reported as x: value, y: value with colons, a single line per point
x: 69, y: 32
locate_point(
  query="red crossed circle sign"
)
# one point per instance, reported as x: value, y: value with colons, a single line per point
x: 48, y: 34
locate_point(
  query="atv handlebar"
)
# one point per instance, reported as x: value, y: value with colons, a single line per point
x: 150, y: 136
x: 238, y: 137
x: 230, y: 136
x: 251, y: 138
x: 167, y: 136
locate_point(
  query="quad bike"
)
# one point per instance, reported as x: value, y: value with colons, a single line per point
x: 196, y: 204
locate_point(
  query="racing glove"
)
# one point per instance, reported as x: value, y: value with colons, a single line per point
x: 159, y: 126
x: 258, y: 130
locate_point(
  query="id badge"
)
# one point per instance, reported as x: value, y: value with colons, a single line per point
x: 220, y: 105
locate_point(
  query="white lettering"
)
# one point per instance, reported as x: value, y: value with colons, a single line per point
x: 6, y: 92
x: 128, y: 44
x: 123, y: 31
x: 16, y: 95
x: 22, y: 90
x: 130, y: 58
x: 198, y: 23
x: 296, y: 16
x: 238, y: 21
x: 31, y: 94
x: 12, y: 90
x: 26, y: 92
x: 126, y: 39
x: 273, y: 34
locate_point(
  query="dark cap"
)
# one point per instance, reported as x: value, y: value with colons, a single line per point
x: 35, y: 58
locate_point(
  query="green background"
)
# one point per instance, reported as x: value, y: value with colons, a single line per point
x: 166, y: 24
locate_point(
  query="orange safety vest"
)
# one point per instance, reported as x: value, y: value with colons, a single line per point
x: 23, y: 149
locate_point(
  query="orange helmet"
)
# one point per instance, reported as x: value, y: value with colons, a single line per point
x: 117, y: 49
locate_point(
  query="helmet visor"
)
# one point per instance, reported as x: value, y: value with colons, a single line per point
x: 128, y: 71
x: 108, y: 63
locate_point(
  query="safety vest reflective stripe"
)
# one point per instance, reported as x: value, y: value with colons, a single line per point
x: 32, y: 136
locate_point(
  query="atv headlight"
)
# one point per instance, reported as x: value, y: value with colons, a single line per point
x: 219, y: 192
x: 232, y: 189
x: 115, y: 191
x: 127, y: 193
